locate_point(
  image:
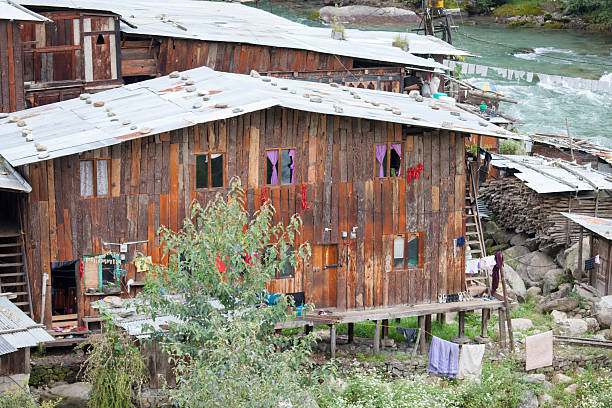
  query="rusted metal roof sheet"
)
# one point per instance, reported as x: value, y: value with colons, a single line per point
x: 16, y: 12
x: 237, y: 23
x: 10, y: 179
x: 600, y: 226
x: 544, y: 175
x: 164, y: 104
x: 24, y: 332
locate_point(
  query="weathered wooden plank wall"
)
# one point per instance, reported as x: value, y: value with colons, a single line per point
x: 153, y: 184
x: 11, y: 68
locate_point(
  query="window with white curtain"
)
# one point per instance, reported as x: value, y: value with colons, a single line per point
x: 95, y: 180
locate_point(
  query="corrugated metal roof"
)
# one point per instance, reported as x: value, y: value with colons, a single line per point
x: 136, y: 327
x: 10, y: 179
x: 24, y: 331
x: 164, y: 104
x: 233, y: 22
x: 547, y: 174
x: 15, y: 12
x: 600, y: 226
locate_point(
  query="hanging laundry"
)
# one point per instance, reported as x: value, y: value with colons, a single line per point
x: 471, y: 69
x: 519, y: 74
x: 409, y: 334
x: 499, y: 263
x: 464, y: 67
x: 597, y: 260
x: 487, y: 263
x: 482, y: 70
x: 460, y: 241
x: 471, y: 266
x: 539, y: 350
x: 589, y: 264
x: 443, y: 357
x: 529, y: 76
x: 470, y: 361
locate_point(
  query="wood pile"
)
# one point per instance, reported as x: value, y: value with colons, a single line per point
x: 518, y: 207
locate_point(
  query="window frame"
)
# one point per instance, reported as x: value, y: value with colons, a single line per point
x: 278, y: 167
x: 94, y: 161
x: 195, y: 178
x: 407, y: 236
x: 388, y: 156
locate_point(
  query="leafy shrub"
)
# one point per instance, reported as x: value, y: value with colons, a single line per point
x: 400, y: 41
x: 585, y: 6
x: 509, y: 147
x: 22, y: 399
x: 114, y: 367
x: 523, y: 9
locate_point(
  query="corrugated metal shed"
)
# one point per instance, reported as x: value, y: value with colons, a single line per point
x: 23, y: 331
x: 543, y: 175
x: 164, y: 104
x: 600, y: 226
x: 15, y: 12
x: 233, y: 22
x: 10, y: 179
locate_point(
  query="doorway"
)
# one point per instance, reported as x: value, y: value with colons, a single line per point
x: 64, y: 293
x: 325, y: 275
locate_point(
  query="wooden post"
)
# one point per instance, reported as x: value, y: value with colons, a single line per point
x: 591, y: 253
x: 502, y: 278
x: 484, y: 321
x: 351, y: 332
x: 461, y: 324
x: 385, y: 328
x: 428, y: 327
x: 580, y: 267
x: 332, y: 339
x: 423, y: 342
x: 441, y: 318
x: 398, y: 320
x: 502, y: 327
x: 377, y: 337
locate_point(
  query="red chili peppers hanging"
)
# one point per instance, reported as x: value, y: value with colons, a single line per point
x: 414, y: 173
x: 304, y: 198
x: 264, y: 195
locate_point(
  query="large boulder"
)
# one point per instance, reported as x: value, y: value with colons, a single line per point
x: 529, y: 400
x: 72, y: 395
x: 521, y: 324
x: 593, y: 324
x: 552, y: 280
x: 490, y: 227
x: 603, y: 311
x: 514, y: 252
x: 519, y: 239
x: 563, y: 305
x: 560, y: 378
x: 534, y: 294
x: 558, y: 317
x: 368, y: 15
x: 534, y: 266
x: 570, y: 257
x: 573, y: 327
x: 503, y: 237
x: 515, y: 282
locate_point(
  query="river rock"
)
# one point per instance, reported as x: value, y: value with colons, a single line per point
x: 570, y: 262
x: 571, y: 389
x: 592, y: 323
x: 561, y: 379
x: 552, y: 280
x: 535, y: 378
x: 558, y: 317
x: 515, y: 282
x: 514, y: 252
x: 563, y: 291
x: 563, y: 305
x: 73, y: 395
x: 521, y: 324
x: 368, y: 15
x: 573, y: 327
x: 534, y: 266
x: 603, y: 311
x: 533, y: 294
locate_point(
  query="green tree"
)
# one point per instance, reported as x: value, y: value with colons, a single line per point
x: 225, y: 350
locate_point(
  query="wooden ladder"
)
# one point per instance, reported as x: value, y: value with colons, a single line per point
x: 13, y: 270
x: 473, y: 228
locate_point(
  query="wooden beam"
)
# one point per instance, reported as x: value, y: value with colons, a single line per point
x: 332, y: 339
x: 502, y: 327
x: 377, y: 337
x: 351, y: 332
x: 428, y: 327
x: 421, y: 340
x: 485, y: 318
x: 580, y: 254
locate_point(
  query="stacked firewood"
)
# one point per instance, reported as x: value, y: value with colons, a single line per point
x: 518, y: 207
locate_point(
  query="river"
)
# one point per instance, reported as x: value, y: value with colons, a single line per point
x: 542, y: 108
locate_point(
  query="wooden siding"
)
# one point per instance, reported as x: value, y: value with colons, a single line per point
x: 153, y: 184
x: 601, y: 276
x: 11, y: 68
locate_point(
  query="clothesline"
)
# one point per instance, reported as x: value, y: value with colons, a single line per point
x: 510, y: 74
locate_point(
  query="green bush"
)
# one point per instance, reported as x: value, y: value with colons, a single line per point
x: 509, y: 147
x: 585, y: 6
x: 23, y: 399
x: 523, y: 9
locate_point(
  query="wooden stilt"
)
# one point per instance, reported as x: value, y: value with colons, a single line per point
x: 502, y: 327
x: 502, y: 278
x: 332, y: 339
x: 377, y: 337
x: 441, y: 318
x: 428, y: 327
x: 423, y: 342
x: 580, y: 266
x: 385, y: 329
x: 351, y: 332
x: 461, y: 324
x: 484, y: 321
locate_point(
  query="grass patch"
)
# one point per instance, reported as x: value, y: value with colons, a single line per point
x: 521, y: 9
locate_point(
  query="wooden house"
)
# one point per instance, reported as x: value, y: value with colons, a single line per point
x: 599, y: 274
x: 378, y: 178
x: 95, y: 45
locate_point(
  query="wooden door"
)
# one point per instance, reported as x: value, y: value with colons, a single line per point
x: 325, y: 269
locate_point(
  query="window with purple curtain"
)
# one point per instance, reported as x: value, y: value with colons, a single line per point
x: 381, y: 160
x: 272, y: 167
x: 395, y: 155
x: 287, y: 165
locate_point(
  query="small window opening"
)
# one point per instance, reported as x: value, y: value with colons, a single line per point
x: 412, y: 258
x: 398, y: 252
x: 280, y: 166
x: 286, y: 270
x: 209, y: 170
x: 100, y: 40
x: 388, y: 162
x: 95, y: 177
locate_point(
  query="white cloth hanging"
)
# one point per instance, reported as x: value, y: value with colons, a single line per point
x: 529, y: 76
x: 470, y: 361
